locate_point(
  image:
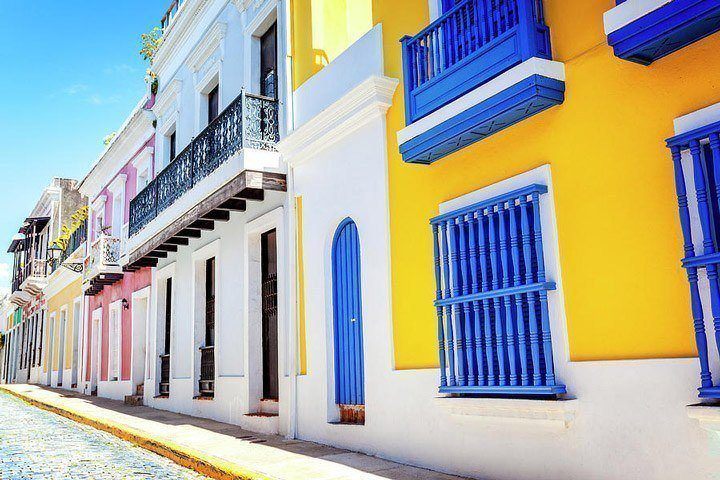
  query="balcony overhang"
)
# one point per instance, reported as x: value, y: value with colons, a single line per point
x: 154, y: 241
x: 643, y: 31
x: 20, y: 298
x: 519, y: 93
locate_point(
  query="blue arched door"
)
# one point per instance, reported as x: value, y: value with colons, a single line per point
x: 347, y: 310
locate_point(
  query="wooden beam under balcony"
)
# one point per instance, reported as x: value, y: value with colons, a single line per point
x: 248, y: 185
x: 234, y: 204
x: 167, y: 248
x: 157, y: 254
x: 217, y: 215
x: 203, y: 224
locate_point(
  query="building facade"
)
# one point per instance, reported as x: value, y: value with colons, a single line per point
x: 490, y: 236
x: 477, y: 236
x: 116, y: 310
x: 34, y: 270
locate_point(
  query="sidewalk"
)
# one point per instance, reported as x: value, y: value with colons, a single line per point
x: 215, y: 449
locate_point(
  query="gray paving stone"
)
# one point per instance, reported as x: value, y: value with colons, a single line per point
x: 35, y: 444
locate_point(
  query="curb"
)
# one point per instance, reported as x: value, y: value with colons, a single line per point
x: 204, y: 464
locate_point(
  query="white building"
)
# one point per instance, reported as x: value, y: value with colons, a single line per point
x: 214, y: 220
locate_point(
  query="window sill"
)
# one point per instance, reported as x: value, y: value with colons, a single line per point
x: 707, y: 415
x: 555, y: 414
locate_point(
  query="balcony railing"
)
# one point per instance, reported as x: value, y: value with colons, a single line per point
x: 104, y: 256
x: 170, y: 14
x: 164, y: 385
x: 207, y: 371
x: 36, y: 268
x: 467, y: 46
x: 698, y: 151
x: 250, y: 121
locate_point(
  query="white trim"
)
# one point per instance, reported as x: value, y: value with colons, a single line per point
x: 99, y: 203
x: 203, y: 87
x: 434, y: 9
x: 165, y: 99
x: 260, y: 21
x: 211, y: 41
x: 629, y: 11
x: 551, y: 249
x: 117, y: 186
x: 369, y: 100
x: 556, y: 414
x: 143, y: 159
x: 528, y: 68
x: 698, y: 118
x: 117, y: 307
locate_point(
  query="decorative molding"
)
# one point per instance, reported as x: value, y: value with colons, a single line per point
x: 210, y: 42
x: 370, y: 99
x: 143, y: 159
x: 556, y: 414
x: 169, y: 95
x: 98, y: 203
x: 262, y: 17
x: 178, y: 31
x: 118, y: 184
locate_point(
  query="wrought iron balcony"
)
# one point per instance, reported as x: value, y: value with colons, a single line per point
x: 102, y: 265
x: 249, y: 122
x: 643, y: 32
x: 468, y: 47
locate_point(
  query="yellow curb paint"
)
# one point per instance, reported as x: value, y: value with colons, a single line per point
x: 204, y: 464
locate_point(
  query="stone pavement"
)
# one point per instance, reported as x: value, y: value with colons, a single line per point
x: 216, y: 449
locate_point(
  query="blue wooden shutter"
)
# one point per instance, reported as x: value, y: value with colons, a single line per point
x: 347, y: 310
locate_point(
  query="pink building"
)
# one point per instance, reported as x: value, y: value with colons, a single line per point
x: 118, y: 296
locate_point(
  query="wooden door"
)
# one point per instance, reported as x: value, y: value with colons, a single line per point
x: 268, y: 63
x: 348, y: 322
x: 269, y: 315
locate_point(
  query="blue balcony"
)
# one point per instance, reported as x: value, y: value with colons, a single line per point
x: 479, y: 68
x: 644, y: 31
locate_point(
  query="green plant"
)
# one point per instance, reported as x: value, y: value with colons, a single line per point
x: 76, y: 221
x: 109, y: 138
x: 150, y: 43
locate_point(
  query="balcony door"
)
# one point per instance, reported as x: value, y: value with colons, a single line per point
x: 269, y: 62
x: 269, y: 315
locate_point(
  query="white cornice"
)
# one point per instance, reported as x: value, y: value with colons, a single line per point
x: 136, y: 130
x: 210, y: 42
x: 370, y: 99
x: 178, y: 31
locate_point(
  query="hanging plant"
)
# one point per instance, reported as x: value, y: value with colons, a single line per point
x: 77, y: 219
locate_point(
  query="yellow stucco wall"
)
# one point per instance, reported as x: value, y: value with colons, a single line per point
x: 63, y: 300
x: 625, y: 293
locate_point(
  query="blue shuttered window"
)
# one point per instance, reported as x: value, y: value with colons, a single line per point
x: 492, y: 298
x: 696, y: 162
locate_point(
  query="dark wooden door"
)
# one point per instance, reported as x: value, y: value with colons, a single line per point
x: 269, y: 315
x: 268, y: 63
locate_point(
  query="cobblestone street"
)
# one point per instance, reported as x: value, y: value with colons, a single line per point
x: 35, y: 444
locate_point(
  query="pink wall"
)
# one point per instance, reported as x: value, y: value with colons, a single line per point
x: 131, y: 282
x: 130, y: 190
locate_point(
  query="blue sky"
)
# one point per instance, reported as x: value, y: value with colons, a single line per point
x: 71, y: 73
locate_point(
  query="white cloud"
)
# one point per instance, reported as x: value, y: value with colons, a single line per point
x: 97, y: 99
x: 120, y: 68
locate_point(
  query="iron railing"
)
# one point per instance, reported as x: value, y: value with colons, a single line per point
x: 250, y: 121
x: 207, y: 371
x: 170, y: 14
x: 164, y: 386
x: 104, y: 252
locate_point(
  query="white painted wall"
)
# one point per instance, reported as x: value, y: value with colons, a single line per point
x: 233, y: 366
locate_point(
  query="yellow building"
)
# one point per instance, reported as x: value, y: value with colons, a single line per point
x: 500, y: 110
